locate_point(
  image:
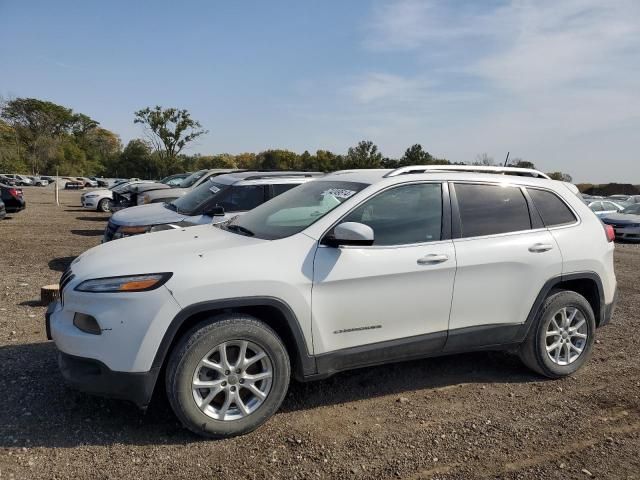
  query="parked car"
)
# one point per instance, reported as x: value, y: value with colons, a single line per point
x: 625, y: 198
x: 39, y: 181
x: 626, y: 223
x: 216, y: 200
x: 19, y: 180
x: 71, y: 183
x: 48, y: 178
x: 191, y: 182
x: 353, y: 269
x: 138, y: 191
x: 6, y: 180
x: 3, y: 210
x: 87, y: 182
x: 605, y: 207
x: 126, y: 195
x: 13, y: 198
x: 102, y: 199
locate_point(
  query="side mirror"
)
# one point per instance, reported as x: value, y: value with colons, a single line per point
x: 350, y: 233
x: 216, y: 211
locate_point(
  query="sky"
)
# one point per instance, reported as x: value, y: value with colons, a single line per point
x: 553, y: 82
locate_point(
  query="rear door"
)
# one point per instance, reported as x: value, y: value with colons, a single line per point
x: 504, y: 258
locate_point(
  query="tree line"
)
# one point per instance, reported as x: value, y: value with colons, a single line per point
x: 41, y: 137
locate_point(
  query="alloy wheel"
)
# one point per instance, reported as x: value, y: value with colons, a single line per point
x: 566, y: 336
x: 232, y: 380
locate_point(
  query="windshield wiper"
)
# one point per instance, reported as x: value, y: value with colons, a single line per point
x: 240, y: 229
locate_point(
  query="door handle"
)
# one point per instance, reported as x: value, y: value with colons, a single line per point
x: 540, y: 247
x: 433, y: 259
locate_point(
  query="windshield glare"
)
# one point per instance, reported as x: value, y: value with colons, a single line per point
x: 293, y: 211
x: 196, y: 198
x: 193, y: 178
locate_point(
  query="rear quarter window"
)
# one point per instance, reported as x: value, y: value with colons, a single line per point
x: 552, y: 209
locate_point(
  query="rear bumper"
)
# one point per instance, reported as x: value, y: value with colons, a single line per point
x: 608, y: 310
x: 94, y: 377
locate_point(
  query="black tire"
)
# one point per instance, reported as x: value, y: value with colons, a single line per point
x: 193, y: 347
x: 104, y: 205
x: 533, y: 351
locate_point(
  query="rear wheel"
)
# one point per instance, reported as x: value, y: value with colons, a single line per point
x: 561, y: 339
x: 104, y: 205
x: 227, y: 376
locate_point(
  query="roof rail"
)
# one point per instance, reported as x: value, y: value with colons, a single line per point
x: 522, y: 172
x: 281, y: 174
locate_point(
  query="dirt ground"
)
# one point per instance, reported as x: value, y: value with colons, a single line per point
x: 481, y: 415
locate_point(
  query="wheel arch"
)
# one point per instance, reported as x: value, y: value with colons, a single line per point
x: 587, y: 284
x: 272, y: 311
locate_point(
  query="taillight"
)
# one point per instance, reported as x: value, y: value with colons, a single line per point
x: 611, y: 233
x: 14, y: 192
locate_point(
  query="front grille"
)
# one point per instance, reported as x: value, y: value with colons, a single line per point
x: 67, y: 276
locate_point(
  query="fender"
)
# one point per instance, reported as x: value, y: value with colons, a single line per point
x: 553, y: 282
x: 305, y: 361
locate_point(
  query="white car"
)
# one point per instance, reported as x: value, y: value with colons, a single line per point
x: 353, y: 269
x: 101, y: 200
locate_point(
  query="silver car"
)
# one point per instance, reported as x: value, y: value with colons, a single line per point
x: 626, y: 224
x: 603, y: 208
x: 188, y: 184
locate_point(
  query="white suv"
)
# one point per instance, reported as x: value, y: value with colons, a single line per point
x: 356, y: 268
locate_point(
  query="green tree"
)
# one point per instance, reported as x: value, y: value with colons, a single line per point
x: 520, y: 163
x: 277, y: 160
x: 363, y: 155
x: 563, y: 177
x: 170, y: 130
x: 135, y: 161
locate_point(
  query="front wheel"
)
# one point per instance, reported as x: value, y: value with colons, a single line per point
x: 227, y: 376
x: 561, y: 339
x: 104, y: 205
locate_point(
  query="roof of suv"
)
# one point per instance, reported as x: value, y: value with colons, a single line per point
x: 255, y: 177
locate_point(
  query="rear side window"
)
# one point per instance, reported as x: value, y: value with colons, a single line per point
x: 491, y: 209
x: 242, y: 198
x: 553, y: 211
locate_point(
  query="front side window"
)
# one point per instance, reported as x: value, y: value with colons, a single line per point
x: 632, y: 209
x: 295, y: 210
x: 403, y: 215
x: 240, y: 198
x: 596, y: 207
x: 553, y: 211
x: 491, y: 209
x: 609, y: 206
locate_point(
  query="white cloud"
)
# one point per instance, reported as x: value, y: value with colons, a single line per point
x: 535, y: 76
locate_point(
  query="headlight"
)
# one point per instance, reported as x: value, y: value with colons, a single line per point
x: 129, y: 283
x: 126, y: 231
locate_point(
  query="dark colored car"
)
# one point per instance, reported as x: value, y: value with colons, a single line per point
x: 12, y: 198
x: 3, y: 210
x: 8, y: 180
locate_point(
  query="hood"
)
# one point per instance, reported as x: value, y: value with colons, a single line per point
x: 158, y: 252
x: 151, y: 214
x: 103, y: 191
x: 622, y: 218
x: 145, y: 187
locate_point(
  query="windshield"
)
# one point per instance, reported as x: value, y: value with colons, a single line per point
x: 295, y: 210
x: 193, y: 178
x: 196, y: 198
x: 632, y: 209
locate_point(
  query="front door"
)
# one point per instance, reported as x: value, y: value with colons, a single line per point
x: 397, y: 289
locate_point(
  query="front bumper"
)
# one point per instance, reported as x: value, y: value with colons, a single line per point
x: 91, y: 376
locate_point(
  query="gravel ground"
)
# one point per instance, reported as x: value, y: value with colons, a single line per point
x: 481, y: 415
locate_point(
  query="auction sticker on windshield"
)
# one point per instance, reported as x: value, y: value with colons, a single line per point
x: 339, y: 192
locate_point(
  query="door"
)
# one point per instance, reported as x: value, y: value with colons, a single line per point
x: 503, y: 263
x: 398, y: 288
